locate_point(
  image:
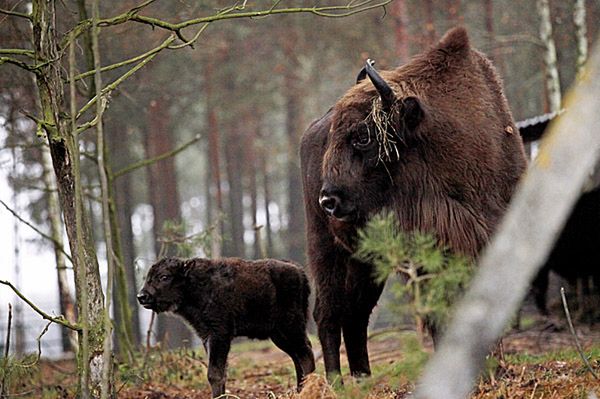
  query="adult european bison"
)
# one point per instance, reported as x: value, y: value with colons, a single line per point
x: 231, y: 297
x: 433, y: 141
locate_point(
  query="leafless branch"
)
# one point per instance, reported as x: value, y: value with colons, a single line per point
x: 574, y: 334
x: 58, y: 320
x: 234, y: 12
x: 150, y: 161
x: 20, y: 64
x: 108, y: 89
x: 17, y: 51
x: 39, y: 347
x: 15, y: 14
x: 44, y: 235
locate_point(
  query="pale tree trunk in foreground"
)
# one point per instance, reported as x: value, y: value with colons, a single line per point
x: 580, y: 34
x: 552, y: 80
x: 547, y: 193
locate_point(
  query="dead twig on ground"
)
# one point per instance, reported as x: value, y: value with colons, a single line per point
x: 574, y: 334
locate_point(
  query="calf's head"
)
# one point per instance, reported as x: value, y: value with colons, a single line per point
x: 163, y: 288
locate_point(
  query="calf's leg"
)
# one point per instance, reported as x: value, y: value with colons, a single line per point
x: 295, y: 343
x: 218, y: 349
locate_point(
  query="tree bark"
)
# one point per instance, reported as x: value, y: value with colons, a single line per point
x: 67, y: 307
x: 552, y: 80
x: 580, y: 34
x: 266, y: 186
x: 430, y: 22
x: 64, y: 151
x: 127, y: 319
x: 234, y: 155
x: 400, y: 15
x: 164, y: 198
x: 213, y: 158
x: 294, y: 125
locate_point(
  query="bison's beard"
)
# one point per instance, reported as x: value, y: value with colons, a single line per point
x: 344, y: 234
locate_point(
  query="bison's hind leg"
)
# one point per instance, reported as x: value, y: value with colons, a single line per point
x: 297, y: 346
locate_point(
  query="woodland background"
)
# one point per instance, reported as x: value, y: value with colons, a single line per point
x: 204, y: 141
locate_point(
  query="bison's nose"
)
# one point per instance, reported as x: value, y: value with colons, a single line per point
x: 143, y: 298
x: 329, y: 203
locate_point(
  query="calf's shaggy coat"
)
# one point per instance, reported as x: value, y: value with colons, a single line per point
x: 230, y: 297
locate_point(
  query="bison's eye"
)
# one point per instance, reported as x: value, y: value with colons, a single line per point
x: 164, y: 277
x: 363, y: 140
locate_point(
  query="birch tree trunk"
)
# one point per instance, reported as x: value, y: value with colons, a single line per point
x: 580, y: 34
x: 67, y: 308
x: 550, y: 61
x: 64, y: 150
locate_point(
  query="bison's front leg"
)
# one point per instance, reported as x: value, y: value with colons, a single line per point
x: 218, y: 349
x: 327, y: 264
x: 329, y: 270
x: 363, y: 293
x: 329, y: 327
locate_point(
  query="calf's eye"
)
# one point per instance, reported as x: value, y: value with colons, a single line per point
x: 164, y: 277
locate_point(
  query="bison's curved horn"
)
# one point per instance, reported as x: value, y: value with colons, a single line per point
x: 363, y: 72
x: 385, y: 91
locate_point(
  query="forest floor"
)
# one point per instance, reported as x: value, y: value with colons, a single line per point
x: 536, y: 362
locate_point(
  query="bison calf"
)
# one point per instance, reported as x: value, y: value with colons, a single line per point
x: 231, y: 297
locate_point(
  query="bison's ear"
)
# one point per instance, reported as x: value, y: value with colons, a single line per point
x: 455, y: 41
x: 411, y: 112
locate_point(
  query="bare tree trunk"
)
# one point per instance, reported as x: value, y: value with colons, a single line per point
x: 430, y: 22
x: 454, y: 13
x: 580, y: 34
x: 550, y: 188
x: 124, y: 209
x: 64, y: 150
x: 67, y: 308
x: 234, y: 244
x: 125, y: 309
x: 252, y: 162
x: 552, y: 80
x: 214, y: 165
x: 164, y: 197
x: 293, y: 124
x: 267, y: 199
x: 400, y: 14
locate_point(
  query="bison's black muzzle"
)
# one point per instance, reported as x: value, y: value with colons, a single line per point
x: 145, y: 299
x: 333, y: 202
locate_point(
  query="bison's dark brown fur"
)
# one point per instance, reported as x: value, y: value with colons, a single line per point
x: 452, y: 165
x: 231, y: 297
